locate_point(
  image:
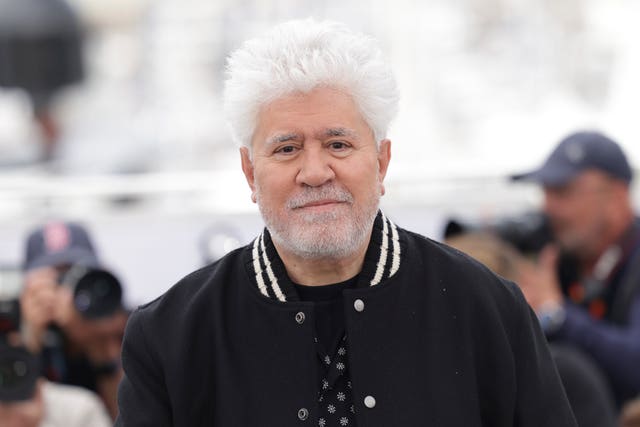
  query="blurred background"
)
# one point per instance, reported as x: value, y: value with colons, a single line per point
x: 121, y: 126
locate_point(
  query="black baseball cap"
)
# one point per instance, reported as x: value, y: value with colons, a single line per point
x: 576, y: 153
x: 59, y: 243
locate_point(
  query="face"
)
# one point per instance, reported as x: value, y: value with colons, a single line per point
x: 316, y: 173
x: 99, y: 339
x: 578, y: 211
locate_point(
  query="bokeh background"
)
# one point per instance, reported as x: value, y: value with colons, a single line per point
x: 143, y: 156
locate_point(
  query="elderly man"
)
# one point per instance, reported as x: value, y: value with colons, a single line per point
x: 587, y: 287
x: 333, y: 316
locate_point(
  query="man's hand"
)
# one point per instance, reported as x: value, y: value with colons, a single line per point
x: 631, y: 414
x: 38, y: 305
x: 539, y: 282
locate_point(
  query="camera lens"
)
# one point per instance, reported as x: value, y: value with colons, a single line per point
x: 97, y: 293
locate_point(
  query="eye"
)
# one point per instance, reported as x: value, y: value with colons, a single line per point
x: 338, y: 145
x: 286, y: 149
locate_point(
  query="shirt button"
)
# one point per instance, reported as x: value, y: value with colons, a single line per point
x: 303, y: 414
x: 300, y: 317
x: 369, y: 402
x: 358, y: 305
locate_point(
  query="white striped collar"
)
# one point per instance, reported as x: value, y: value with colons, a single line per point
x: 382, y: 261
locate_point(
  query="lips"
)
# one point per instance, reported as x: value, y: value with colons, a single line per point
x: 320, y: 203
x: 317, y: 197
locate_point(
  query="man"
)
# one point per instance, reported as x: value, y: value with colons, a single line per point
x: 587, y: 287
x: 72, y: 311
x: 333, y: 316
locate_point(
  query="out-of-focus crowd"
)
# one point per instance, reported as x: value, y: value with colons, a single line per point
x: 578, y: 265
x: 61, y: 336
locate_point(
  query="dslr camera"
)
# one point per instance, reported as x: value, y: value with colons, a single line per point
x: 96, y: 291
x: 528, y: 232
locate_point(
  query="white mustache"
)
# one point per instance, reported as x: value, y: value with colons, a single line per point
x: 317, y: 194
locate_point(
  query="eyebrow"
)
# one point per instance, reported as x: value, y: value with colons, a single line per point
x: 339, y: 132
x: 276, y: 139
x: 326, y: 133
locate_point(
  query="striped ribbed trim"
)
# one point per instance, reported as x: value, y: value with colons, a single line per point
x: 259, y: 255
x: 387, y: 265
x: 383, y: 266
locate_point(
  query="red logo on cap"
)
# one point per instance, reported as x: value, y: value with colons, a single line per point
x: 56, y: 237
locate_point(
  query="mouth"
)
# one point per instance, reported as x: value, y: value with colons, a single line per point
x: 320, y: 203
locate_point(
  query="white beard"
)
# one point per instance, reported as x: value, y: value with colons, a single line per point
x: 328, y: 235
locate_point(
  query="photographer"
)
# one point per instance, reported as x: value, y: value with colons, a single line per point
x: 72, y: 310
x: 586, y: 287
x: 27, y: 399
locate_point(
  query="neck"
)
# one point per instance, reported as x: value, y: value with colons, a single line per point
x: 325, y: 270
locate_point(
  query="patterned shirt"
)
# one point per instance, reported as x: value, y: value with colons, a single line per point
x: 335, y: 401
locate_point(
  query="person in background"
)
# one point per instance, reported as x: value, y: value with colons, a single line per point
x: 72, y: 310
x: 587, y: 389
x: 29, y: 400
x: 586, y: 287
x: 333, y: 315
x: 51, y: 405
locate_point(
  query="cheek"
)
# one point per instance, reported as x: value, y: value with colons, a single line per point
x: 271, y: 186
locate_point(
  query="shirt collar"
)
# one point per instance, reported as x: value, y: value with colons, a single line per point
x: 382, y: 261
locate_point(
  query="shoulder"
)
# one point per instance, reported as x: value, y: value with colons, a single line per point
x: 189, y: 305
x: 447, y: 260
x: 461, y: 274
x: 196, y: 288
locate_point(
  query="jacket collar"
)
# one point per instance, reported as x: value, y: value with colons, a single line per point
x: 382, y: 260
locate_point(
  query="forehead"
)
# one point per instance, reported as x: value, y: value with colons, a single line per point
x: 585, y: 180
x: 322, y: 111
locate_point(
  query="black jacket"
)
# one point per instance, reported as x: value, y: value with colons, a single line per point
x: 440, y: 341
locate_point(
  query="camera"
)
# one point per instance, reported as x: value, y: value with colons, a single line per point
x: 19, y: 368
x: 96, y: 292
x: 19, y: 372
x: 528, y: 232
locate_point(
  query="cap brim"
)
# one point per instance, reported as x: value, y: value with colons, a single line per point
x: 547, y: 176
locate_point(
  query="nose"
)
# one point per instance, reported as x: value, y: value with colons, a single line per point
x: 315, y: 168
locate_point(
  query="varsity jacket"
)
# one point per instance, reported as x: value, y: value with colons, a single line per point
x: 435, y: 339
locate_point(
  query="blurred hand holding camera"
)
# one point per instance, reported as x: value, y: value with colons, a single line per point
x: 43, y: 302
x: 539, y: 281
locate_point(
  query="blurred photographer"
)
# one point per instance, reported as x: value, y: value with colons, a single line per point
x: 27, y: 399
x: 72, y: 310
x: 586, y: 287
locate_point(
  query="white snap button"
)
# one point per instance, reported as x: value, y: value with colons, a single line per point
x: 369, y: 402
x: 303, y: 414
x: 300, y: 317
x: 358, y: 305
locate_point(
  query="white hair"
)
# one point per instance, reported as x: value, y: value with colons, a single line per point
x: 299, y: 56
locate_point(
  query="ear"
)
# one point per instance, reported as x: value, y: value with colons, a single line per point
x: 384, y: 157
x: 247, y: 169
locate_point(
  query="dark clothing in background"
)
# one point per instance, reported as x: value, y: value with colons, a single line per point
x: 586, y: 387
x: 603, y: 316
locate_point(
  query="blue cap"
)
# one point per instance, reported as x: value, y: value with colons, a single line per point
x: 59, y: 243
x: 576, y: 153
